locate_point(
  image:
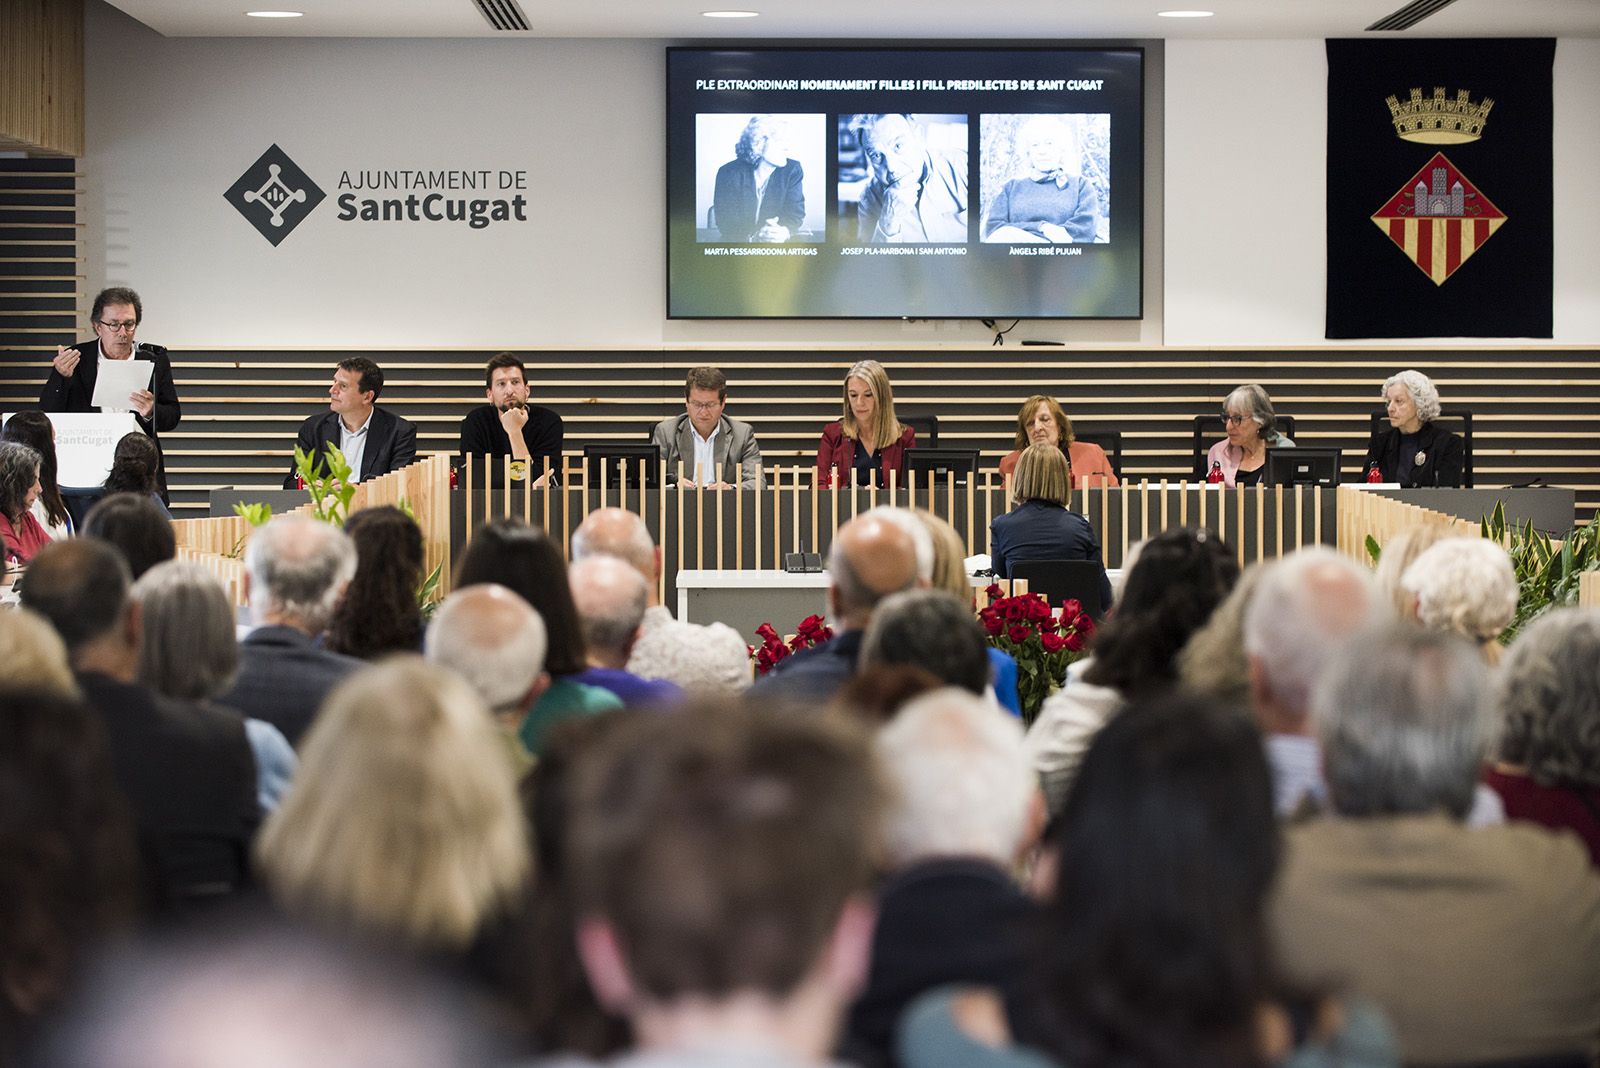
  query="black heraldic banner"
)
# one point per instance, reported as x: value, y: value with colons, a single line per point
x: 1439, y: 187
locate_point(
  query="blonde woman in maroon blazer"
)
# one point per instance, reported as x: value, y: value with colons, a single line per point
x: 867, y: 439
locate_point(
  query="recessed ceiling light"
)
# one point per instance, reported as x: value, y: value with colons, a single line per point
x: 730, y: 14
x: 1186, y: 14
x: 275, y: 14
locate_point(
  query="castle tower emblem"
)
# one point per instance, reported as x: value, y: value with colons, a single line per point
x: 1439, y: 219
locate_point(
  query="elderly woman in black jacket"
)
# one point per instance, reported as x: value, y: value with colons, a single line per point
x: 1413, y: 451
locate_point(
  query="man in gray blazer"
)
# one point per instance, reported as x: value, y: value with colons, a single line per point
x: 710, y: 445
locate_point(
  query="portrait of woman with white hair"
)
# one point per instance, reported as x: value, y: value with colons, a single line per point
x: 759, y: 193
x: 1413, y: 450
x: 1049, y: 201
x: 1467, y: 587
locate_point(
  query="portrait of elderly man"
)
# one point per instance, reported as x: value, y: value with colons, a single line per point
x: 916, y: 188
x: 1047, y: 199
x: 759, y: 193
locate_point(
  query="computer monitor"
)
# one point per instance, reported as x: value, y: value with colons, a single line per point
x: 613, y: 457
x: 1315, y: 465
x: 935, y: 464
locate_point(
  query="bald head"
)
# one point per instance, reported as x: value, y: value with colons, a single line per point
x: 610, y: 596
x: 492, y: 638
x: 872, y: 557
x: 620, y: 533
x: 1308, y: 605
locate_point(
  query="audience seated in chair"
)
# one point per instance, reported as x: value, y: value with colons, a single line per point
x: 610, y: 598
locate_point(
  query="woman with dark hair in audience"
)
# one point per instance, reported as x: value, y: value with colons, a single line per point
x: 1177, y: 581
x: 1041, y: 421
x: 379, y: 613
x: 19, y: 488
x: 136, y: 467
x: 33, y: 429
x: 189, y: 651
x: 868, y: 441
x: 68, y: 860
x: 524, y: 559
x: 1549, y: 769
x: 1155, y: 951
x: 137, y: 525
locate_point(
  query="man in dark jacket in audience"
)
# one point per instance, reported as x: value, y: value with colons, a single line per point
x: 296, y: 569
x: 186, y: 768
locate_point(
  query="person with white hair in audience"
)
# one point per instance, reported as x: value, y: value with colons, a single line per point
x: 872, y: 557
x: 190, y: 652
x: 1308, y: 605
x: 610, y: 598
x: 1413, y: 450
x: 1548, y: 769
x: 698, y: 658
x: 1482, y: 944
x: 964, y: 810
x: 1466, y: 587
x: 494, y: 640
x: 1399, y: 553
x: 296, y: 569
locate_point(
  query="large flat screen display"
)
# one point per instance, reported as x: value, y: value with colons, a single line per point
x: 948, y: 183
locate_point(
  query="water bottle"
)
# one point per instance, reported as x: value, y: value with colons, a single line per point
x: 1373, y: 474
x: 1214, y: 476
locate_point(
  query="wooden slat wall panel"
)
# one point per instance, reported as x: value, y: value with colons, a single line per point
x: 41, y: 76
x: 41, y: 302
x: 1537, y: 411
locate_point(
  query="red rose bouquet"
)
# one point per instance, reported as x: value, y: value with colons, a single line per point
x: 1042, y: 644
x: 813, y: 630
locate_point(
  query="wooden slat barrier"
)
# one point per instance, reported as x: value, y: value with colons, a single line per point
x: 1589, y: 589
x: 1363, y: 514
x: 425, y: 486
x: 229, y: 571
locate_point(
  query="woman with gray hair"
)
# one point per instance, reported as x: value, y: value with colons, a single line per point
x: 758, y: 194
x: 1549, y: 759
x: 1251, y: 426
x: 1413, y: 450
x: 19, y: 488
x: 190, y: 652
x: 1466, y: 587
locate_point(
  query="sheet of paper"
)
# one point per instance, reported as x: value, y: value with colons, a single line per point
x: 117, y: 379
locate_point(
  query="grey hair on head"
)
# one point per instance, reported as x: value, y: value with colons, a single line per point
x: 1421, y: 388
x: 1405, y: 720
x: 190, y: 649
x: 19, y: 466
x: 1549, y: 699
x: 1254, y: 404
x: 298, y: 568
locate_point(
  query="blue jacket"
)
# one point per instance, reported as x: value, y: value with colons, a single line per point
x: 1044, y: 530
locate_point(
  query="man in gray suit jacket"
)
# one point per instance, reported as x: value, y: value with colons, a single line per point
x: 710, y: 445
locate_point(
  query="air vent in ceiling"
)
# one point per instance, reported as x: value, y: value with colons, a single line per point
x: 502, y: 14
x: 1408, y: 16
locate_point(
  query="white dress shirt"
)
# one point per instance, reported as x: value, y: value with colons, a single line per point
x: 705, y: 464
x: 353, y: 443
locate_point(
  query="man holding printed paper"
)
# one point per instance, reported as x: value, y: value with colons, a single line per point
x: 113, y: 373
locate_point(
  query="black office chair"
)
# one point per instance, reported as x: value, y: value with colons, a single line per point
x: 1110, y: 442
x: 1457, y: 421
x: 1208, y: 428
x: 926, y: 426
x: 1059, y: 580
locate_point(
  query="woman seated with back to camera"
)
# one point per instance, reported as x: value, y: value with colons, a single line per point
x: 1412, y: 450
x: 1252, y: 426
x: 1041, y: 526
x: 868, y: 441
x: 1040, y: 421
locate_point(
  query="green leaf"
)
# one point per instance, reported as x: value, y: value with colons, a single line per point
x: 1374, y: 551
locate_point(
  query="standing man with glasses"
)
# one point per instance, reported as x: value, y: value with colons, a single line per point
x: 116, y: 315
x: 710, y: 445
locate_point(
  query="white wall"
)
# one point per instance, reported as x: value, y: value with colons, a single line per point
x: 1241, y: 271
x: 173, y: 122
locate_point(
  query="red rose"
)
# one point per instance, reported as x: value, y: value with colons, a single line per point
x: 992, y: 591
x: 1019, y: 633
x: 1071, y: 608
x: 993, y: 625
x: 1038, y: 608
x: 766, y: 631
x: 1074, y: 642
x: 1053, y: 643
x: 1083, y: 623
x: 1014, y: 610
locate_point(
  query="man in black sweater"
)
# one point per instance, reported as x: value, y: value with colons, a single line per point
x: 508, y: 425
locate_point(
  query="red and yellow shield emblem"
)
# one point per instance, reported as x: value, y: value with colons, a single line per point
x: 1439, y: 219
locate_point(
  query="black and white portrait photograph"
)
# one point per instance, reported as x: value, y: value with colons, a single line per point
x: 758, y: 178
x: 903, y: 179
x: 1045, y: 179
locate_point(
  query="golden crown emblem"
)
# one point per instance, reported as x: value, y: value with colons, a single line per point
x: 1438, y: 120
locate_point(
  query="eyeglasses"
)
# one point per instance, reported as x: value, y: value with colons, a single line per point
x: 117, y: 328
x: 1228, y: 419
x: 705, y: 406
